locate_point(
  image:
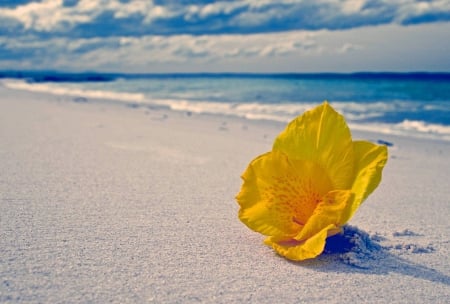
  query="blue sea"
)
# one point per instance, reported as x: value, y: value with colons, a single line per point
x: 411, y: 104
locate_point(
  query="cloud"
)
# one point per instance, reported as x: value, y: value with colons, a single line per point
x: 388, y: 48
x: 100, y: 53
x: 348, y: 48
x: 107, y: 18
x: 137, y: 35
x: 424, y: 12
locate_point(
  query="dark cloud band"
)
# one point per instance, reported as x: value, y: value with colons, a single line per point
x: 138, y: 18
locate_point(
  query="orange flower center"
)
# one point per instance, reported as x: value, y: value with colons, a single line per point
x: 296, y: 194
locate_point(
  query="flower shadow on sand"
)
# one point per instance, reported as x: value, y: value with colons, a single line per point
x: 356, y: 251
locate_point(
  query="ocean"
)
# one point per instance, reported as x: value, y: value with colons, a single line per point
x: 410, y: 104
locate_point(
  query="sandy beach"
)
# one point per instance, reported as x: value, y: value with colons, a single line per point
x: 101, y: 202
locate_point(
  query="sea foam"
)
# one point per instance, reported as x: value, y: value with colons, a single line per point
x: 55, y: 89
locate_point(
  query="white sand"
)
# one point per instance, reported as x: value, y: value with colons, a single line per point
x: 106, y: 203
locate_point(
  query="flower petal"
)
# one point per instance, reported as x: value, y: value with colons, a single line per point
x: 334, y: 209
x: 279, y: 195
x: 322, y: 136
x: 328, y: 217
x: 369, y: 160
x: 308, y: 249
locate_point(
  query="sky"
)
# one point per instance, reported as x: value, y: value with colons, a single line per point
x: 138, y: 36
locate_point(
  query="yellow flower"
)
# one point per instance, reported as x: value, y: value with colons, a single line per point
x: 310, y: 184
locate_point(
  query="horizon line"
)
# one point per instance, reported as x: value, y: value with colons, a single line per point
x: 60, y: 75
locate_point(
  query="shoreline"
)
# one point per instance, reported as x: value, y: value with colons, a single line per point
x: 108, y: 203
x: 138, y: 101
x: 253, y: 111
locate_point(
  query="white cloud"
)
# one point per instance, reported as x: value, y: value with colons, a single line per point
x: 124, y: 10
x: 52, y: 15
x: 156, y: 12
x: 348, y: 47
x: 352, y: 6
x: 181, y: 48
x: 39, y: 15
